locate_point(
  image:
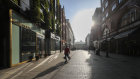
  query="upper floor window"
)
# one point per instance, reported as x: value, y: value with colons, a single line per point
x: 102, y: 1
x: 133, y: 15
x: 25, y: 4
x: 106, y: 15
x: 103, y: 19
x: 103, y: 9
x: 106, y: 4
x: 129, y: 17
x: 114, y: 6
x: 120, y: 1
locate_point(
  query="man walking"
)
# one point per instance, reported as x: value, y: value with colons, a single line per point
x: 67, y: 52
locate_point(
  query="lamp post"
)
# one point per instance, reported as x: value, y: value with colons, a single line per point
x: 107, y: 45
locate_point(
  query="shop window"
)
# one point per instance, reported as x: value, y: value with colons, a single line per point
x: 28, y: 43
x: 114, y: 7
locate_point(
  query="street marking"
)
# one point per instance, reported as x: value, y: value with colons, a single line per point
x: 9, y: 73
x: 17, y: 75
x: 21, y: 71
x: 40, y: 64
x: 29, y: 65
x: 13, y: 71
x: 53, y: 58
x: 50, y: 59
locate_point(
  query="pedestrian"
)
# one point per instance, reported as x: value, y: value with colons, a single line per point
x: 67, y: 52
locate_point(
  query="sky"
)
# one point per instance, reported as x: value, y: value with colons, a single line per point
x: 80, y: 13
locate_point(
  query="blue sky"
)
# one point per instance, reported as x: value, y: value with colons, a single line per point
x: 80, y: 14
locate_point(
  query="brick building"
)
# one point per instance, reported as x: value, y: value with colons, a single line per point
x: 120, y: 26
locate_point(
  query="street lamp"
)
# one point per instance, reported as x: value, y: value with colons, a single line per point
x: 107, y: 50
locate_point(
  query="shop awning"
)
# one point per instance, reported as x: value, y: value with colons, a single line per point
x: 124, y: 34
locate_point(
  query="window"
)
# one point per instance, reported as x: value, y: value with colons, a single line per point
x: 102, y: 1
x: 113, y: 7
x: 103, y: 19
x: 132, y: 16
x: 128, y: 17
x: 103, y: 9
x: 106, y: 15
x: 120, y: 1
x: 124, y: 20
x: 137, y: 14
x: 106, y: 4
x: 25, y: 4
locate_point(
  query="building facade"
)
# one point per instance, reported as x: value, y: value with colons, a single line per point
x: 69, y: 35
x: 80, y: 45
x: 87, y: 41
x: 120, y: 26
x: 95, y: 36
x: 27, y: 33
x: 63, y: 28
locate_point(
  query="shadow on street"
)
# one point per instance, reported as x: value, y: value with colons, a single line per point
x: 114, y: 67
x: 51, y: 69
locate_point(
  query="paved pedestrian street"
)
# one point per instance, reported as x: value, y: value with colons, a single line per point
x: 83, y: 65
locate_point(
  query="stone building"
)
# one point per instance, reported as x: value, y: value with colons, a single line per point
x: 70, y: 39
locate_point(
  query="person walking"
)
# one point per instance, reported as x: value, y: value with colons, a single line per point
x: 67, y: 52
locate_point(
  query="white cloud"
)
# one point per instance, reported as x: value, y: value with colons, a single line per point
x: 81, y: 23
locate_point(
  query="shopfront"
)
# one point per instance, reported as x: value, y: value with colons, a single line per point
x: 40, y: 42
x: 26, y: 39
x: 28, y: 44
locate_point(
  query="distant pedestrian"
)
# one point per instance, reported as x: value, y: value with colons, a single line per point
x: 67, y: 52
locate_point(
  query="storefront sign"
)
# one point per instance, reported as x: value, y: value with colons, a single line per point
x: 20, y: 24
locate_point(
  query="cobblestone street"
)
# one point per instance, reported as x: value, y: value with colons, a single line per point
x: 83, y: 65
x: 87, y: 65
